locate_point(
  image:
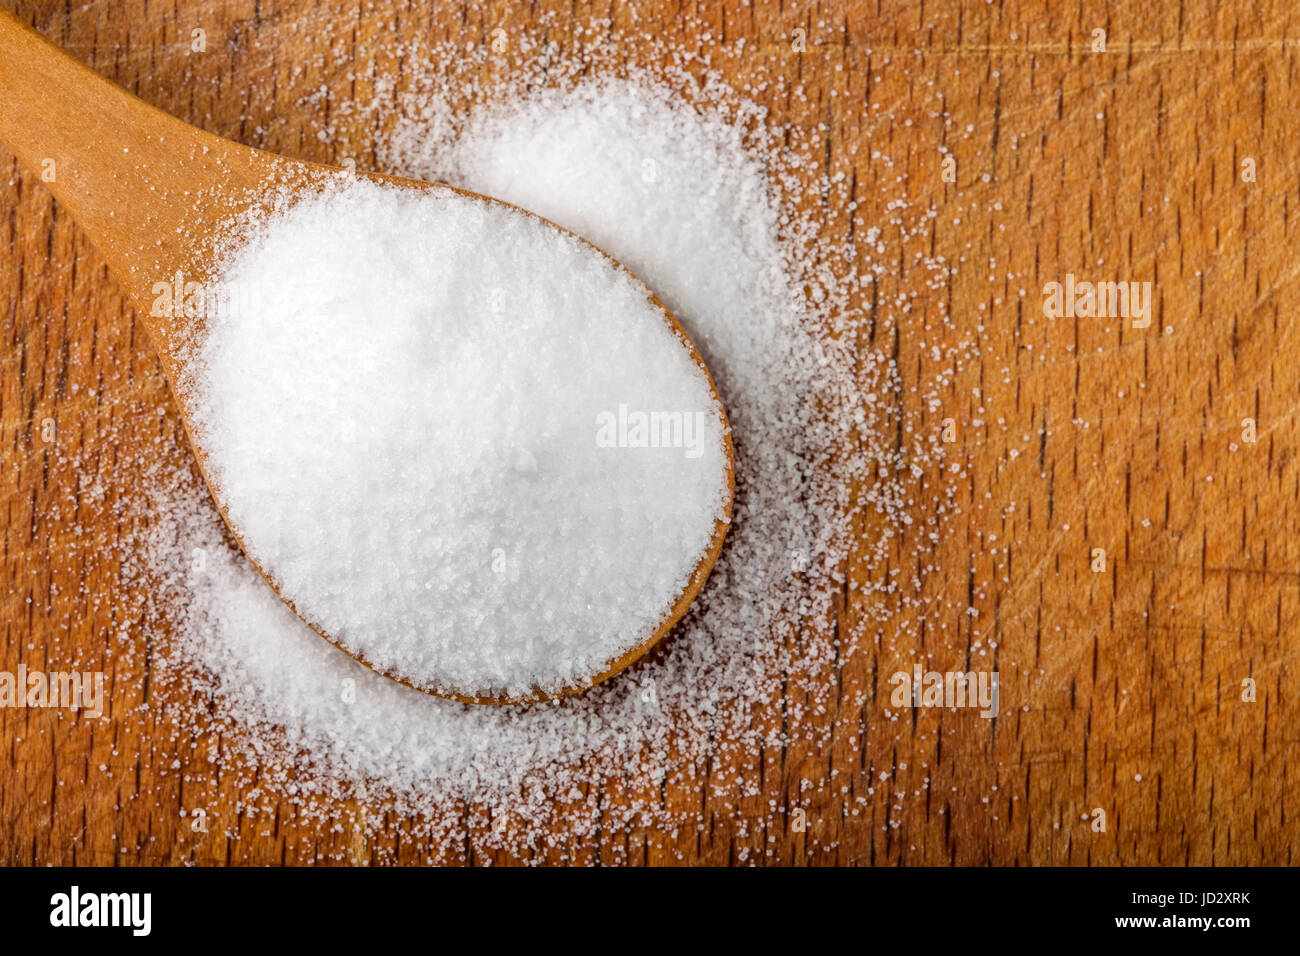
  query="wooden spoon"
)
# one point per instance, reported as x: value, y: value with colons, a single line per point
x: 152, y: 192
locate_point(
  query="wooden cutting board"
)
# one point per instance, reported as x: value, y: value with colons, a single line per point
x: 1158, y: 152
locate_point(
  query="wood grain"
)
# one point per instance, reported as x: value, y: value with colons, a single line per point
x: 1121, y: 690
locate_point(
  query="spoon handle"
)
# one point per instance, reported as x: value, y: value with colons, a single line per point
x: 142, y: 184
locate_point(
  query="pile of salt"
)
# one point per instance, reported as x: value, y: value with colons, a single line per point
x: 467, y: 446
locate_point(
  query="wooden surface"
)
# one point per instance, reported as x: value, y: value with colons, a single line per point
x: 1121, y: 690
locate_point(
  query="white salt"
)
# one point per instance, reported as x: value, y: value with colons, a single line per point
x: 739, y: 697
x: 464, y: 444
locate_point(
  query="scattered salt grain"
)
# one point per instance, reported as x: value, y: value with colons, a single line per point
x: 682, y: 179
